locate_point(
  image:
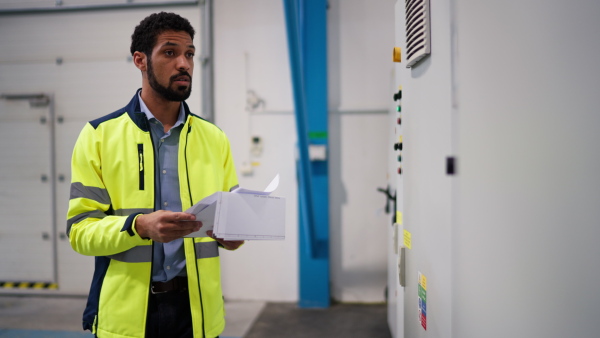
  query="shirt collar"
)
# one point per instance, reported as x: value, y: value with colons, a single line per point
x: 150, y: 116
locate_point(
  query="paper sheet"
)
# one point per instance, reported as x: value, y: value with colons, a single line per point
x: 208, y: 210
x: 270, y: 188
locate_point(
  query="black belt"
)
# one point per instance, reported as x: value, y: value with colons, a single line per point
x: 175, y: 284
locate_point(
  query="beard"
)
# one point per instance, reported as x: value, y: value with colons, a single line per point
x: 169, y: 94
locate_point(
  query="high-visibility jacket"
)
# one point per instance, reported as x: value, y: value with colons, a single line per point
x: 112, y: 183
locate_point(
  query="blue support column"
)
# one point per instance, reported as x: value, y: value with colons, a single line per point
x: 306, y: 23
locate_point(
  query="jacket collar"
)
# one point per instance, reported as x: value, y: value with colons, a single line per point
x: 139, y: 118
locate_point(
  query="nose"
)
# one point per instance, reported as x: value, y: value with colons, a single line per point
x: 183, y: 63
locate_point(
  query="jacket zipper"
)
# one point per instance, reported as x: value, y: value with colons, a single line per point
x: 187, y: 172
x: 141, y: 159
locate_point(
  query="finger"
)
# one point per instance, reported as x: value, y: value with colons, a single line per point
x: 181, y: 216
x: 188, y: 224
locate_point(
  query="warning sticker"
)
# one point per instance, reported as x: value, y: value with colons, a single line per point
x: 422, y: 292
x: 407, y: 239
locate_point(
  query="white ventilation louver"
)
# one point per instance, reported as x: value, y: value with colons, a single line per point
x: 418, y: 32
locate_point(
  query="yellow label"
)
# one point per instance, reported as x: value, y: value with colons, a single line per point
x: 407, y: 239
x: 423, y: 281
x: 399, y: 217
x: 397, y: 55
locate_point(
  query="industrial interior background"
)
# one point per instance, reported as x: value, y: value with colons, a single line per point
x: 490, y: 152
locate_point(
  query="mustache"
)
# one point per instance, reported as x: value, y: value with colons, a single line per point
x: 184, y: 73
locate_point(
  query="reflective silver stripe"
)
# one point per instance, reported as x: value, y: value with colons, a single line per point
x: 207, y: 249
x: 81, y: 217
x: 93, y: 193
x: 143, y: 254
x: 138, y: 254
x: 100, y: 214
x: 127, y: 212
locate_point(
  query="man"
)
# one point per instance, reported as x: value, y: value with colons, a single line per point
x: 133, y: 172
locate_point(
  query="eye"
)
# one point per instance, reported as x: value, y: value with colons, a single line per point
x: 169, y: 53
x: 190, y: 55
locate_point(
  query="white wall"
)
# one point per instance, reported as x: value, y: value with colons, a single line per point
x: 251, y: 54
x: 96, y: 78
x: 360, y: 41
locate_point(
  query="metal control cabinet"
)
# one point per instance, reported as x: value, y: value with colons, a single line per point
x: 499, y: 172
x: 424, y: 212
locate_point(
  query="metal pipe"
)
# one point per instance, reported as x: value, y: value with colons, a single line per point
x: 22, y: 96
x: 53, y: 185
x: 78, y: 8
x: 304, y: 170
x: 207, y: 77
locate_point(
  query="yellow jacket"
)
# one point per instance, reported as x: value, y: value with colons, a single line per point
x: 112, y: 183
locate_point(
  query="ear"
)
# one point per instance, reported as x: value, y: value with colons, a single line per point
x: 140, y: 60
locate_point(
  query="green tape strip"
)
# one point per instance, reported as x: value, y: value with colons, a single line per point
x: 317, y: 134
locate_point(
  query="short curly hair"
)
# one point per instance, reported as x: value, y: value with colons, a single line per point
x: 144, y: 36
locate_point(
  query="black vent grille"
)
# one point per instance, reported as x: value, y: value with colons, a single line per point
x: 418, y: 32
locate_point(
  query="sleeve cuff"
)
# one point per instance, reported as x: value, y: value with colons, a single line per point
x: 129, y: 222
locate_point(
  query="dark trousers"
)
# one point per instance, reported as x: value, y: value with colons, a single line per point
x: 169, y: 315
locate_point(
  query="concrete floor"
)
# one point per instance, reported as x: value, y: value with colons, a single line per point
x: 339, y: 320
x: 27, y: 316
x: 60, y: 317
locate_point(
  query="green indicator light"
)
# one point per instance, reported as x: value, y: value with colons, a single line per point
x: 317, y: 134
x: 399, y: 108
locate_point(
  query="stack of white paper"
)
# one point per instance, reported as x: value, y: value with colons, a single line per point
x: 242, y: 214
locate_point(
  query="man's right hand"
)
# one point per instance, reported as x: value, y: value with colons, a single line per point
x: 164, y: 226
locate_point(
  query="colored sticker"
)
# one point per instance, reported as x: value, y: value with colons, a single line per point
x: 399, y: 217
x: 422, y: 293
x: 423, y: 281
x: 407, y: 239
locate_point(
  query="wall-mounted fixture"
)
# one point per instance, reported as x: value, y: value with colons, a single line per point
x: 418, y: 31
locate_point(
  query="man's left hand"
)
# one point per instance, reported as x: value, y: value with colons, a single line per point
x: 229, y: 245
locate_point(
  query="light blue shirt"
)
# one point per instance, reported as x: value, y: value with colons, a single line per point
x: 169, y: 258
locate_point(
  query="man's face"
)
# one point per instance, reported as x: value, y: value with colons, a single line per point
x: 171, y: 65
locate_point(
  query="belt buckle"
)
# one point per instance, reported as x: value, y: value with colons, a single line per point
x: 155, y: 292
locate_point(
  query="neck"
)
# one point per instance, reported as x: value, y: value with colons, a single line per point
x: 165, y: 111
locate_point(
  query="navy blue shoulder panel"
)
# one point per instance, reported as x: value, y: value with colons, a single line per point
x: 91, y: 309
x: 200, y: 117
x: 132, y: 109
x: 95, y: 123
x: 205, y: 120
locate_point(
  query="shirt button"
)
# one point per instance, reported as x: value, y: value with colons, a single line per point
x: 168, y: 267
x: 166, y: 203
x: 164, y: 171
x: 162, y: 140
